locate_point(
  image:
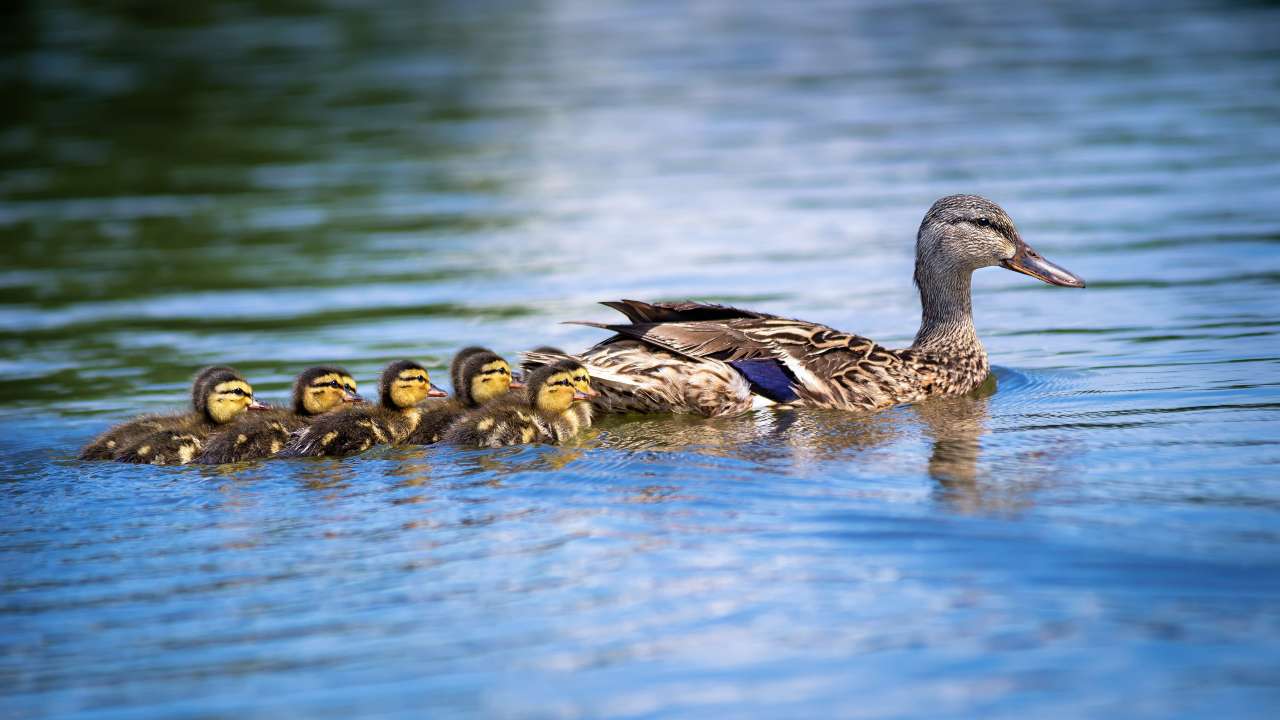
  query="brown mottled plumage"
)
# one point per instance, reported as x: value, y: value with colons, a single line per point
x: 546, y: 414
x: 357, y: 428
x: 256, y: 435
x: 479, y: 376
x: 220, y: 395
x: 715, y: 360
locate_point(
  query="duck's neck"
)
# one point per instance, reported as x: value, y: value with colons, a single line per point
x: 946, y: 321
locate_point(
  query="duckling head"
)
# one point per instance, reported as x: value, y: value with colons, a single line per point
x: 459, y: 362
x: 404, y: 384
x: 224, y: 394
x: 320, y: 389
x: 581, y: 381
x: 553, y: 388
x: 199, y: 385
x: 482, y: 377
x: 962, y: 233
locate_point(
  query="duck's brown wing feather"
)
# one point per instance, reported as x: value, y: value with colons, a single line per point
x: 825, y: 367
x: 639, y: 311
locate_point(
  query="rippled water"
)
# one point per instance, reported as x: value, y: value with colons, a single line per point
x: 1094, y: 533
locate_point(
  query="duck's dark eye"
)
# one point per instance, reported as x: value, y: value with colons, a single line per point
x: 983, y: 222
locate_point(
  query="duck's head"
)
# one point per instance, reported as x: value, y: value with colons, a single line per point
x: 459, y: 360
x: 321, y: 389
x: 221, y: 394
x: 479, y: 377
x: 962, y: 233
x: 405, y: 383
x: 581, y: 381
x: 554, y: 388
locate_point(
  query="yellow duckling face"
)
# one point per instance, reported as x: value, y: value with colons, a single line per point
x: 229, y: 398
x: 556, y: 387
x: 582, y: 383
x: 555, y: 395
x: 319, y: 390
x: 406, y: 383
x: 491, y: 380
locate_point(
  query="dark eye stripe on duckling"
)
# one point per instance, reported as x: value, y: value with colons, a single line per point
x: 234, y: 388
x: 412, y: 378
x: 566, y: 382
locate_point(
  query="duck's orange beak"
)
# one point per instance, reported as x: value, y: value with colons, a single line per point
x: 350, y: 397
x: 516, y: 384
x: 436, y: 392
x: 585, y: 394
x: 257, y: 406
x: 1029, y: 262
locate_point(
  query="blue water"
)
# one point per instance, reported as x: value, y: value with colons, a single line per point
x: 1094, y: 533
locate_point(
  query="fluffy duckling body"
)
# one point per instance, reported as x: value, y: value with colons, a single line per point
x: 316, y: 391
x: 354, y: 429
x: 479, y: 376
x: 546, y: 414
x: 220, y: 396
x: 107, y: 445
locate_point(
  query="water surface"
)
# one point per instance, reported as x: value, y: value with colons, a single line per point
x: 1093, y: 533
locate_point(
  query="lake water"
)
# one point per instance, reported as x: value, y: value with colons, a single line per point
x: 1093, y: 534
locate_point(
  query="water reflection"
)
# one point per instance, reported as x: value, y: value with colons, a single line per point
x: 955, y: 426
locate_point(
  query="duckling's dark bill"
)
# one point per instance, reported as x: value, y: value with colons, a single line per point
x: 1029, y: 262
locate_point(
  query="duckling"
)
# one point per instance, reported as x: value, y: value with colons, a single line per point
x: 316, y: 391
x: 546, y: 413
x: 539, y: 356
x: 111, y: 442
x: 582, y: 408
x: 223, y: 396
x: 354, y: 429
x: 479, y: 376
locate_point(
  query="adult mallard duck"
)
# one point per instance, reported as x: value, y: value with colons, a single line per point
x: 715, y: 360
x: 317, y: 390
